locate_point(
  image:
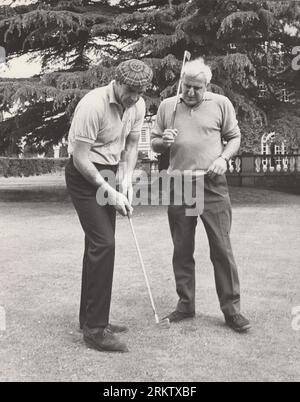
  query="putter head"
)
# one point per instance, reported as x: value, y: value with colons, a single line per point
x: 164, y: 323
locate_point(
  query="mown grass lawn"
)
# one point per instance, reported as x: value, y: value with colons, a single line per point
x: 40, y: 258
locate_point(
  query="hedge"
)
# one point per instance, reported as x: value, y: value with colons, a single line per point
x: 37, y: 166
x: 30, y: 166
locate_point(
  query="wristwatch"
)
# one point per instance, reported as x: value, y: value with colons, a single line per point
x: 224, y: 157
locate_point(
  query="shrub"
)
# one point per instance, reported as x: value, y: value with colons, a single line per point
x: 30, y: 166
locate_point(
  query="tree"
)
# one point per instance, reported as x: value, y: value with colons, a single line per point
x: 247, y: 43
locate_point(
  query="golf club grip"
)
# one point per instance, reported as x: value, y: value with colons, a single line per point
x: 173, y: 119
x: 143, y: 267
x: 186, y: 57
x: 175, y: 106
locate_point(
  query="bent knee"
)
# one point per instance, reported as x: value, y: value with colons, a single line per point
x: 107, y: 243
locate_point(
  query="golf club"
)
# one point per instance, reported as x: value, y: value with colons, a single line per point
x: 186, y: 57
x: 165, y: 323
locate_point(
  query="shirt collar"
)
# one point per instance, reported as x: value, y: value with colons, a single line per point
x: 112, y: 97
x: 111, y: 93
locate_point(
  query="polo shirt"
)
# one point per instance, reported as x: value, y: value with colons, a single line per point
x: 200, y: 130
x: 98, y: 120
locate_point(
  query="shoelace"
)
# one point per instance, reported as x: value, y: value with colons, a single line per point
x: 108, y: 329
x: 176, y: 315
x: 238, y: 317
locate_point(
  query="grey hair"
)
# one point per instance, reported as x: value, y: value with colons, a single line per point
x: 197, y: 67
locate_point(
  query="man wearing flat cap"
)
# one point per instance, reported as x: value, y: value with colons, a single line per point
x: 104, y: 134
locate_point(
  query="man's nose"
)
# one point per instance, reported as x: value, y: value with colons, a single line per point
x: 191, y: 92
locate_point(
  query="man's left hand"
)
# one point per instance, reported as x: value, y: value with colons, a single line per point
x: 218, y: 167
x: 126, y: 189
x: 130, y: 193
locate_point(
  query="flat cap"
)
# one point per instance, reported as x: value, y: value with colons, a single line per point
x: 134, y: 73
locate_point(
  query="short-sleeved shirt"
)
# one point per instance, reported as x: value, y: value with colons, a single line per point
x: 98, y: 120
x: 200, y: 130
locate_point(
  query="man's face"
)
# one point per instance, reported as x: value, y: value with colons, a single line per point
x: 193, y: 89
x: 128, y: 95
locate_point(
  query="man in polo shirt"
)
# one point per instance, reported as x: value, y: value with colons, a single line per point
x: 105, y: 131
x: 202, y: 120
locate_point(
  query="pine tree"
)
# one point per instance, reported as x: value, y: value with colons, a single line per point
x: 247, y: 43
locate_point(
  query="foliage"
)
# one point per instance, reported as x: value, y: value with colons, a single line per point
x: 246, y: 42
x: 30, y: 166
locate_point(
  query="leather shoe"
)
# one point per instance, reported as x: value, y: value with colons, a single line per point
x: 103, y: 340
x: 177, y: 316
x: 237, y: 322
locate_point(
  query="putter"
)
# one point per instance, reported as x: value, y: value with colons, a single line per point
x: 164, y: 323
x: 186, y: 57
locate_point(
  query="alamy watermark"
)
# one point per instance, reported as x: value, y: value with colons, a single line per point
x: 175, y: 189
x: 296, y: 60
x: 2, y: 319
x: 296, y: 318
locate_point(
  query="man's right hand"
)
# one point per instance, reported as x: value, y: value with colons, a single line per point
x: 119, y: 201
x: 122, y: 205
x: 169, y: 136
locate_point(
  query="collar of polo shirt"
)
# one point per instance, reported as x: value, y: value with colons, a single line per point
x: 111, y: 93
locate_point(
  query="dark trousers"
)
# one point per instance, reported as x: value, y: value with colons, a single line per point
x: 98, y: 224
x: 216, y: 218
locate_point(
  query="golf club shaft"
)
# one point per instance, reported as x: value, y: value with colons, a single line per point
x: 144, y: 269
x: 186, y: 57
